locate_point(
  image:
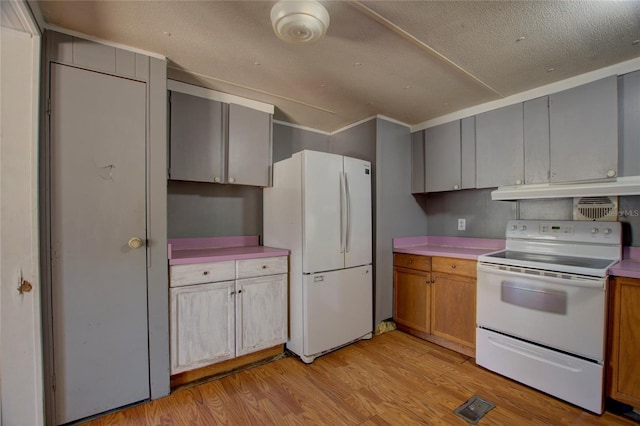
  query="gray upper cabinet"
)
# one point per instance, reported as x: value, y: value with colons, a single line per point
x: 249, y: 146
x: 217, y: 142
x: 500, y: 147
x: 442, y: 158
x: 583, y: 128
x: 536, y: 140
x: 197, y: 134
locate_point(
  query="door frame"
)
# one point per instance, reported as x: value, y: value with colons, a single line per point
x: 59, y: 48
x: 21, y: 387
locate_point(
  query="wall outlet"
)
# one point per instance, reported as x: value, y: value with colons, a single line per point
x: 462, y: 224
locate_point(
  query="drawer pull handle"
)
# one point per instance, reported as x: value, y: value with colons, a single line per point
x: 264, y: 266
x: 453, y: 266
x: 410, y: 261
x: 205, y: 273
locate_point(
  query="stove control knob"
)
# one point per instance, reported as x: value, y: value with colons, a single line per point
x: 523, y: 228
x: 514, y: 227
x: 607, y: 231
x: 595, y: 231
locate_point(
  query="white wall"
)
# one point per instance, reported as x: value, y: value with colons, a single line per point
x: 21, y: 392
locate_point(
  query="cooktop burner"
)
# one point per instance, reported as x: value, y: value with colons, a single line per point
x: 574, y: 247
x: 553, y: 259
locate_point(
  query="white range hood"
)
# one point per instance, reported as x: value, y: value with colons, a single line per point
x: 629, y: 185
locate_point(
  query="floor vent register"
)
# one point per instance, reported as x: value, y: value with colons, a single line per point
x: 474, y: 409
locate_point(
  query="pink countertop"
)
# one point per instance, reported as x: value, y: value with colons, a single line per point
x: 471, y: 248
x: 458, y: 247
x: 184, y: 251
x: 629, y: 266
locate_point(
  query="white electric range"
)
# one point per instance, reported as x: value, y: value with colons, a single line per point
x: 542, y: 307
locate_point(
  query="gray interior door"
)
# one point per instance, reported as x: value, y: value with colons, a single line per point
x: 99, y: 283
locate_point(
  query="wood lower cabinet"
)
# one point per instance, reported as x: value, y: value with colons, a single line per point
x: 435, y: 299
x: 412, y: 299
x: 453, y: 317
x: 623, y: 375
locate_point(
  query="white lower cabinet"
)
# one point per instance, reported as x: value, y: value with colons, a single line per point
x: 261, y: 313
x: 202, y: 325
x: 216, y: 321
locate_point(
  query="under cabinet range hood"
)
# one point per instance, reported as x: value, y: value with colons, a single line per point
x: 628, y: 185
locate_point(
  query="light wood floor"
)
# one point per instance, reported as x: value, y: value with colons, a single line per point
x: 392, y: 379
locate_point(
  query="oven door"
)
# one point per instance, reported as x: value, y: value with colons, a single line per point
x: 561, y: 311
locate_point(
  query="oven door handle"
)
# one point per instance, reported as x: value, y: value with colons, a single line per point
x: 552, y: 278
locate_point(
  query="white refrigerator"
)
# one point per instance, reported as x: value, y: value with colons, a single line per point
x: 319, y: 207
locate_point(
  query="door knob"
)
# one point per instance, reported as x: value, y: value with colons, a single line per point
x: 135, y: 242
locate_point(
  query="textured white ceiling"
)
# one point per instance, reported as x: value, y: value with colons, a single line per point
x: 409, y: 60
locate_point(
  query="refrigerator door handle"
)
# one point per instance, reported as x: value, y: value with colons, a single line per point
x: 348, y: 197
x: 342, y: 210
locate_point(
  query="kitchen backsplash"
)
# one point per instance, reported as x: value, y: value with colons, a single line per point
x: 487, y: 219
x: 211, y: 210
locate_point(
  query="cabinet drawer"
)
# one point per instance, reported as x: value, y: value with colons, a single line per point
x: 262, y: 266
x: 412, y: 261
x: 199, y: 273
x: 449, y: 265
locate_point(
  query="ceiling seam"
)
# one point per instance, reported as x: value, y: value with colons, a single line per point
x: 407, y: 36
x: 252, y: 89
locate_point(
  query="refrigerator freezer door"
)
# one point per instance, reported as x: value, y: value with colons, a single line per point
x: 323, y: 219
x: 357, y: 175
x: 337, y: 308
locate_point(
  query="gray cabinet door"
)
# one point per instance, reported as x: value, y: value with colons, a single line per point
x: 536, y: 140
x: 197, y: 135
x: 249, y: 146
x: 417, y: 162
x: 468, y: 153
x: 500, y: 147
x: 583, y: 127
x: 629, y: 102
x: 99, y: 283
x: 442, y: 160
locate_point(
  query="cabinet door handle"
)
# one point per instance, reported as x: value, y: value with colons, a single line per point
x: 231, y: 180
x: 217, y: 179
x: 264, y: 266
x: 410, y: 261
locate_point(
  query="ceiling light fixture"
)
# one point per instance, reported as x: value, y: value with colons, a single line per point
x: 299, y: 22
